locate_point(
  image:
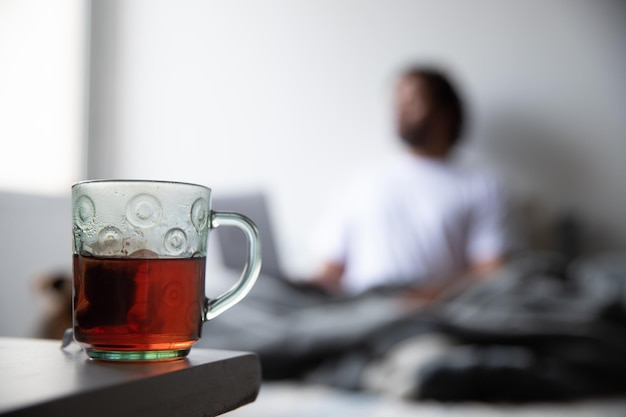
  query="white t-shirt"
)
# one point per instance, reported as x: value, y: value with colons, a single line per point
x: 414, y: 220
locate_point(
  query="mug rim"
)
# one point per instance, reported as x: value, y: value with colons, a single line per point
x: 136, y: 181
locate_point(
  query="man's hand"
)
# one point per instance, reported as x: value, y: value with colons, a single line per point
x: 330, y: 278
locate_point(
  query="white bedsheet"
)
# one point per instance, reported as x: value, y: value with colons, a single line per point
x: 299, y: 400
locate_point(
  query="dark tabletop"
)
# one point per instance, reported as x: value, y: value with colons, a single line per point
x: 38, y: 378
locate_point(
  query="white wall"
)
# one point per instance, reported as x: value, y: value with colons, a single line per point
x: 42, y: 94
x: 289, y: 96
x: 42, y: 134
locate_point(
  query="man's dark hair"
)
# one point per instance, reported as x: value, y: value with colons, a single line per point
x: 445, y: 97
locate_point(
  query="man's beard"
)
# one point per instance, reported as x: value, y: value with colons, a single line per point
x: 415, y: 136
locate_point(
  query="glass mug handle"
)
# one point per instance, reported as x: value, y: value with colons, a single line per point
x: 215, y: 307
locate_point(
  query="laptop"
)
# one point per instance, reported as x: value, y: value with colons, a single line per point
x: 232, y: 242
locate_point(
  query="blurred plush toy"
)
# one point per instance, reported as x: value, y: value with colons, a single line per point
x: 56, y: 291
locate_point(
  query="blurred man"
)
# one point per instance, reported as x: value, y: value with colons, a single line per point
x: 417, y: 221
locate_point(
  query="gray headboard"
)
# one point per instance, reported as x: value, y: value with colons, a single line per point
x: 35, y: 238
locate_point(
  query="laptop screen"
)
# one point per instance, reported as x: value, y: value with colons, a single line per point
x: 232, y: 242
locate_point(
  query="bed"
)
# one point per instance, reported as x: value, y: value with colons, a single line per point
x: 541, y: 332
x: 546, y: 337
x: 280, y: 399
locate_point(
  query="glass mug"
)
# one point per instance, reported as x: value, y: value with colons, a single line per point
x: 139, y: 256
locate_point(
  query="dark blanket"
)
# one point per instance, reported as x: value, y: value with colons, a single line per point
x: 542, y: 330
